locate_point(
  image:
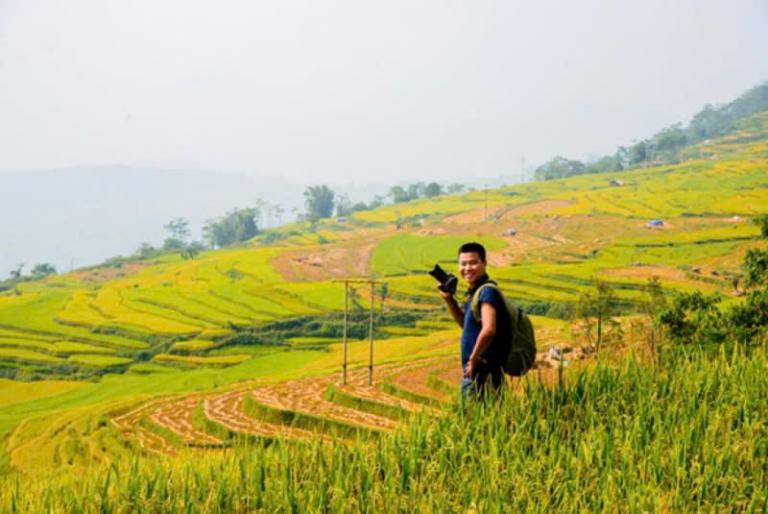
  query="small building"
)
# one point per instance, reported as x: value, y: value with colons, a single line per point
x: 656, y: 223
x: 341, y: 220
x: 511, y: 232
x: 616, y: 182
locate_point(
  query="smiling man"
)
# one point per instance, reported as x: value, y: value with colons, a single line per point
x: 484, y: 342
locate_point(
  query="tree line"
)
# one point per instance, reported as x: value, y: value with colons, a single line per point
x: 665, y: 146
x: 242, y: 224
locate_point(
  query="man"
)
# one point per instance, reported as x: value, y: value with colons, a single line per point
x: 484, y: 343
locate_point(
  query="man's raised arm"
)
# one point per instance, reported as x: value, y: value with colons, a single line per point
x: 453, y: 307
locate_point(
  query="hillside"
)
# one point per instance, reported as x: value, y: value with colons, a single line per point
x: 153, y: 354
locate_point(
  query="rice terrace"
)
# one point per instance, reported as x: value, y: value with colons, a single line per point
x: 311, y: 327
x: 213, y: 383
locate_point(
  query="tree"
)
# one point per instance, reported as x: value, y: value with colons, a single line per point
x: 383, y: 293
x: 416, y: 190
x: 694, y: 318
x: 178, y: 232
x: 637, y: 153
x: 277, y: 213
x: 16, y: 273
x: 344, y: 205
x: 398, y: 194
x: 652, y: 303
x: 192, y: 250
x: 762, y: 222
x: 597, y: 305
x: 237, y: 226
x: 606, y: 164
x: 145, y: 251
x: 433, y: 189
x: 670, y: 141
x: 455, y: 188
x: 319, y: 202
x: 756, y: 268
x: 43, y: 270
x: 559, y: 167
x: 377, y: 202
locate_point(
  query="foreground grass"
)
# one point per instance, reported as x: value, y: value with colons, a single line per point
x: 690, y: 436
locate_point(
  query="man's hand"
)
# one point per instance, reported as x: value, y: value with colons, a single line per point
x: 453, y: 307
x: 472, y: 367
x: 444, y: 294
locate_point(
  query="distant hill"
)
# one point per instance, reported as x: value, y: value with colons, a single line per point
x: 669, y: 145
x: 80, y: 216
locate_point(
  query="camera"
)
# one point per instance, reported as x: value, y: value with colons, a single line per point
x: 448, y: 281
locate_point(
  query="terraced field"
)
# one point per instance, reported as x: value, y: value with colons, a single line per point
x: 308, y: 408
x: 239, y: 342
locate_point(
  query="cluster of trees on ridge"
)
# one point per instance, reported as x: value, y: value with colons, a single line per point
x: 242, y: 224
x: 322, y: 202
x: 665, y: 146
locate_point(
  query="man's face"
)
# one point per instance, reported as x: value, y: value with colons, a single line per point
x: 471, y: 267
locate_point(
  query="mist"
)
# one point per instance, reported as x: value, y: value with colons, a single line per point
x: 359, y: 95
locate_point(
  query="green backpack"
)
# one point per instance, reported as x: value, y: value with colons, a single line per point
x: 522, y: 344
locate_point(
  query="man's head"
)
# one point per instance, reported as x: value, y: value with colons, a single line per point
x: 472, y: 262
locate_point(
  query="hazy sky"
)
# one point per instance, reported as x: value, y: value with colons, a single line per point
x: 358, y: 90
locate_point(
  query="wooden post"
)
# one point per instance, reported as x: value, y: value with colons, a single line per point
x: 344, y: 343
x: 345, y: 340
x: 370, y: 339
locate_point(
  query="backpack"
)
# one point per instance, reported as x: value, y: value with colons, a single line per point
x: 522, y: 345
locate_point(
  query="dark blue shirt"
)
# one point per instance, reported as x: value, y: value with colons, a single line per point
x: 496, y: 352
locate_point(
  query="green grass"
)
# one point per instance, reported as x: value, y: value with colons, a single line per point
x: 98, y: 361
x: 407, y: 253
x: 14, y: 354
x: 690, y: 436
x: 196, y: 360
x: 193, y: 345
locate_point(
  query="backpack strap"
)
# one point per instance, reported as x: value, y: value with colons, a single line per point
x: 476, y: 298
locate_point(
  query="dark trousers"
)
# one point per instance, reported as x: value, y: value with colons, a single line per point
x: 487, y: 380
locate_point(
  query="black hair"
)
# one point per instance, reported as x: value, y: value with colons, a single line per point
x: 473, y: 247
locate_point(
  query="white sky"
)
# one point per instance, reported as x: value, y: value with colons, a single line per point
x: 358, y: 90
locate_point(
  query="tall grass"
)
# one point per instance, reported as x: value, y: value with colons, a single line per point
x: 691, y: 435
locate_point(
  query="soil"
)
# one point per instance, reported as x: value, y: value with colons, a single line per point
x: 349, y: 260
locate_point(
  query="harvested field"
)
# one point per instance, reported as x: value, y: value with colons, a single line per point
x: 414, y: 380
x: 308, y: 397
x: 177, y: 417
x: 405, y: 388
x: 325, y: 263
x: 129, y: 425
x: 357, y: 385
x: 226, y: 410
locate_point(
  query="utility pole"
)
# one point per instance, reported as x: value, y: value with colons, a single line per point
x: 344, y: 340
x: 345, y: 332
x: 370, y: 339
